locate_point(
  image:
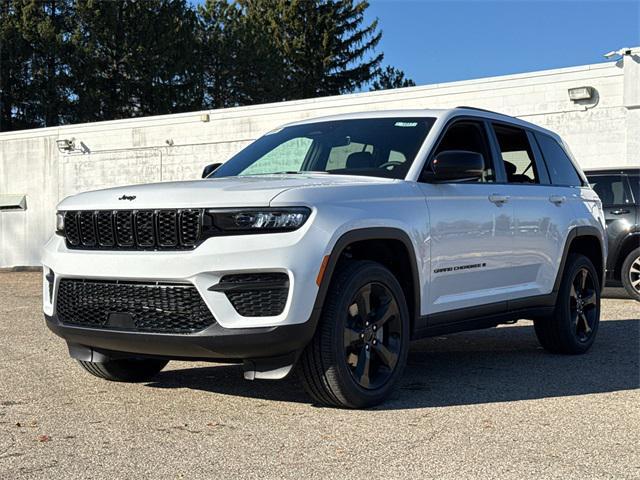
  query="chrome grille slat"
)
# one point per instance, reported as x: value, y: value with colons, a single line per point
x: 166, y: 229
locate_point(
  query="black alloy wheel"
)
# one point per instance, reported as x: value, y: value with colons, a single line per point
x: 572, y: 326
x: 582, y: 304
x: 360, y: 347
x: 372, y: 335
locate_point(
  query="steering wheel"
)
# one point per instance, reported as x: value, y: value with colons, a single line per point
x: 391, y: 163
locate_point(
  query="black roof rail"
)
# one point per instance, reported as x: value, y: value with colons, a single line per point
x: 479, y: 109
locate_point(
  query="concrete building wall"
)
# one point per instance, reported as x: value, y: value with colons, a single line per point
x: 602, y: 132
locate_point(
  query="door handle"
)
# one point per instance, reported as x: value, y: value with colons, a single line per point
x: 557, y: 199
x: 619, y: 211
x: 498, y: 199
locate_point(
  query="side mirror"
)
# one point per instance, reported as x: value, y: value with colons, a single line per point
x: 209, y: 169
x: 455, y: 165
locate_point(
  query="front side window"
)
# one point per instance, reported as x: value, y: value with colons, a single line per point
x: 561, y: 169
x: 612, y: 189
x: 469, y: 136
x: 517, y: 155
x: 379, y: 147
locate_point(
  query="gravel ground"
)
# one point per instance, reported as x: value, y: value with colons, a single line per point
x: 488, y: 404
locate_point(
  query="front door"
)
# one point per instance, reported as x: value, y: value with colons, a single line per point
x: 471, y: 231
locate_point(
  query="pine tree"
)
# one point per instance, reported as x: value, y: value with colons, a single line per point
x: 135, y: 58
x: 34, y: 54
x: 86, y: 60
x: 14, y: 52
x: 325, y: 47
x: 240, y: 61
x: 391, y: 77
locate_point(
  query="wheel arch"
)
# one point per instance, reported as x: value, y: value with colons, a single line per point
x: 586, y: 240
x: 389, y: 238
x: 625, y: 247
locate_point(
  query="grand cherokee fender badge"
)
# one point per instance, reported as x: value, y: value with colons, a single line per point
x: 460, y: 267
x: 127, y: 197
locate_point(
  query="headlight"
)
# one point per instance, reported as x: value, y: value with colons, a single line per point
x: 258, y: 220
x: 60, y: 223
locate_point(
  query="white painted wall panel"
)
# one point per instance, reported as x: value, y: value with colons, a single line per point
x: 177, y: 146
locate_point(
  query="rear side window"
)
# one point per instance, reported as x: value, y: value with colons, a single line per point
x: 517, y: 154
x: 612, y: 189
x: 561, y: 170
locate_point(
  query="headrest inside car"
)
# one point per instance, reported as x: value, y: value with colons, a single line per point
x: 510, y: 168
x: 360, y: 160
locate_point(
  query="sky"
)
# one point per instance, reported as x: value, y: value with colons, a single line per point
x: 440, y: 41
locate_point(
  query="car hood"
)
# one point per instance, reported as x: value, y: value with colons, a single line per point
x: 248, y: 191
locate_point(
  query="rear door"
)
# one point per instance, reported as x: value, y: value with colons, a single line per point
x: 543, y: 211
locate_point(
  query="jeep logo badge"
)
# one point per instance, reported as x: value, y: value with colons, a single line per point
x: 126, y: 197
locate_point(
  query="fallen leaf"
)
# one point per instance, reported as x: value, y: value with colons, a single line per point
x: 44, y: 438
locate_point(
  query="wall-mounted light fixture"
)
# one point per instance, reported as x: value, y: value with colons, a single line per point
x: 13, y: 202
x: 66, y: 145
x: 580, y: 93
x: 622, y: 52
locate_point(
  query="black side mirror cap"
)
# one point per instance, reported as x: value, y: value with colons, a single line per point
x: 209, y: 169
x: 453, y: 165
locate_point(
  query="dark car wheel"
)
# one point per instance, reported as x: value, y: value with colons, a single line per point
x: 631, y: 274
x: 125, y: 369
x: 572, y: 327
x: 360, y: 347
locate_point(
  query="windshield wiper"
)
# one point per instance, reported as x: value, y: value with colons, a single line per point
x: 298, y: 172
x: 287, y: 172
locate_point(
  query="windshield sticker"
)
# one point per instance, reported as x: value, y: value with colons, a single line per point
x: 406, y: 124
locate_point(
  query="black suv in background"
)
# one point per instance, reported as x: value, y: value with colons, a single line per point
x: 619, y: 190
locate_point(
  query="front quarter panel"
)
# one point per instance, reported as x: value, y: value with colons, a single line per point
x: 341, y: 209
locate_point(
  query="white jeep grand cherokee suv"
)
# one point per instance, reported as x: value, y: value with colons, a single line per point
x: 329, y: 244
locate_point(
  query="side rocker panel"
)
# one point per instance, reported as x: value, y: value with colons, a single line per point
x: 486, y: 316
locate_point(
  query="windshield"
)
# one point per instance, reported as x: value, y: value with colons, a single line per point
x: 380, y: 147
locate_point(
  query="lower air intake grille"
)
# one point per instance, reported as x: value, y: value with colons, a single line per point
x: 256, y: 294
x: 144, y: 307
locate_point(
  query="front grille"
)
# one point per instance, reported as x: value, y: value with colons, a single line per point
x: 133, y: 229
x: 144, y: 307
x: 255, y: 294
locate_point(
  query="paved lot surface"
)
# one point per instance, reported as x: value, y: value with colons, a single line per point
x: 488, y: 404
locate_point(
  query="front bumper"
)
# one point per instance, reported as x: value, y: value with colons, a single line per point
x: 297, y: 254
x: 213, y: 343
x: 232, y: 337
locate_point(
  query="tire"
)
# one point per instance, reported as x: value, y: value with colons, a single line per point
x: 355, y: 360
x: 631, y: 274
x: 573, y: 326
x: 125, y: 369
